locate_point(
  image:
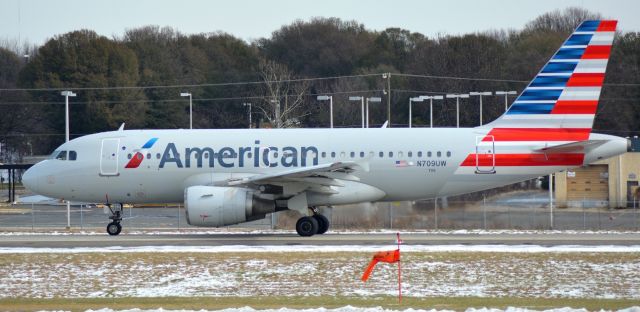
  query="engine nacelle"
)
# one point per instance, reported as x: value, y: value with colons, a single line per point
x: 219, y: 206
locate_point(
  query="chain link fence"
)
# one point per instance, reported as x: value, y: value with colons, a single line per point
x: 422, y: 215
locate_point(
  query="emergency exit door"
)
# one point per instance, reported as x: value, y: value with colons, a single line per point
x: 485, y: 154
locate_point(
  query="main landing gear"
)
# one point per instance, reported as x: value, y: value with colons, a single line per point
x: 114, y: 228
x: 311, y: 225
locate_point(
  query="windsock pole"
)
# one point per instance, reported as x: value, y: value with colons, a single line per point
x: 399, y: 273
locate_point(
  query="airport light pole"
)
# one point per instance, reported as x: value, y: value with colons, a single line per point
x: 330, y: 98
x: 66, y: 95
x: 551, y: 201
x: 457, y: 97
x: 361, y: 99
x: 387, y: 92
x: 248, y: 105
x: 372, y: 100
x: 184, y: 94
x: 506, y: 94
x: 277, y: 115
x: 411, y: 100
x: 480, y: 94
x: 431, y: 98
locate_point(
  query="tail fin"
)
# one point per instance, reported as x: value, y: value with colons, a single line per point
x: 561, y: 101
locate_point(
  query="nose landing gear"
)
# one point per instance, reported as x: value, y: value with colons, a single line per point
x: 114, y: 227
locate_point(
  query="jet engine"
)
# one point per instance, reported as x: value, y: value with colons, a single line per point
x: 219, y: 206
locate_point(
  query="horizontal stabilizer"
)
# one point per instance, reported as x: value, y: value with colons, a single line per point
x: 574, y: 147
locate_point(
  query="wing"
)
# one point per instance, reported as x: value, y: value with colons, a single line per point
x: 318, y: 178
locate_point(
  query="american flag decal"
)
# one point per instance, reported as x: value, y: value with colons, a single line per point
x: 402, y: 163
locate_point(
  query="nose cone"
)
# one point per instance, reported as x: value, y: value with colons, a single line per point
x: 30, y: 179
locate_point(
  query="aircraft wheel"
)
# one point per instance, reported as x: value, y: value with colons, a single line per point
x: 323, y: 223
x: 307, y: 226
x: 114, y: 228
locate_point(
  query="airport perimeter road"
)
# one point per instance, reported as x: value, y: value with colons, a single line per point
x: 137, y: 240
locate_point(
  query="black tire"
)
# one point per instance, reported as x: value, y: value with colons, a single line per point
x: 114, y: 228
x: 307, y: 226
x: 323, y: 223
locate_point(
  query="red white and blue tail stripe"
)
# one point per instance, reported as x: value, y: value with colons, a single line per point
x: 557, y: 107
x: 564, y: 94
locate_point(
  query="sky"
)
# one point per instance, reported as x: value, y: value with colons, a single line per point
x: 35, y: 21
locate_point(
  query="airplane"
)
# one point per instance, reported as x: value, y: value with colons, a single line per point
x: 230, y: 176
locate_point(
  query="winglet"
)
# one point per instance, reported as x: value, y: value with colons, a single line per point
x: 121, y: 127
x: 385, y: 124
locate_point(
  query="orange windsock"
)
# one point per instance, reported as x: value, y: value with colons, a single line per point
x: 390, y: 256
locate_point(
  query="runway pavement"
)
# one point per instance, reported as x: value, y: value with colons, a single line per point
x: 280, y: 239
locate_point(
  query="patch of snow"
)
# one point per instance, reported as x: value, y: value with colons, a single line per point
x: 81, y: 275
x: 44, y: 200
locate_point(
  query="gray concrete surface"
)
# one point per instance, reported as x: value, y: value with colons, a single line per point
x: 125, y: 240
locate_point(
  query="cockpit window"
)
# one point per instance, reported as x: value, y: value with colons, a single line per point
x: 62, y: 155
x: 73, y: 155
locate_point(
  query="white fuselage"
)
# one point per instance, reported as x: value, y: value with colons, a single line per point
x: 405, y: 164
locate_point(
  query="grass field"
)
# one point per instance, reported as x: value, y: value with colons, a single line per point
x: 203, y: 280
x: 388, y: 302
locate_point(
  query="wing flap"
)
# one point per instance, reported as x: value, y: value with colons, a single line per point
x: 320, y: 172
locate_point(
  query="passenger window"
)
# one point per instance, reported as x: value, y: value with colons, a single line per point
x: 420, y: 154
x: 361, y: 154
x: 62, y: 155
x: 448, y: 154
x: 333, y: 154
x: 439, y: 154
x: 129, y: 156
x: 324, y: 154
x: 343, y: 155
x: 400, y: 154
x: 390, y: 154
x: 381, y: 154
x: 429, y: 154
x: 409, y: 154
x: 371, y: 153
x: 353, y: 154
x: 148, y: 155
x: 158, y: 156
x: 73, y: 155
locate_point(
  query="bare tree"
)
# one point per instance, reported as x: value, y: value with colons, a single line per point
x: 564, y: 21
x: 283, y: 99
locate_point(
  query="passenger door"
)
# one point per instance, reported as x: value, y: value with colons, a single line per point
x: 109, y: 157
